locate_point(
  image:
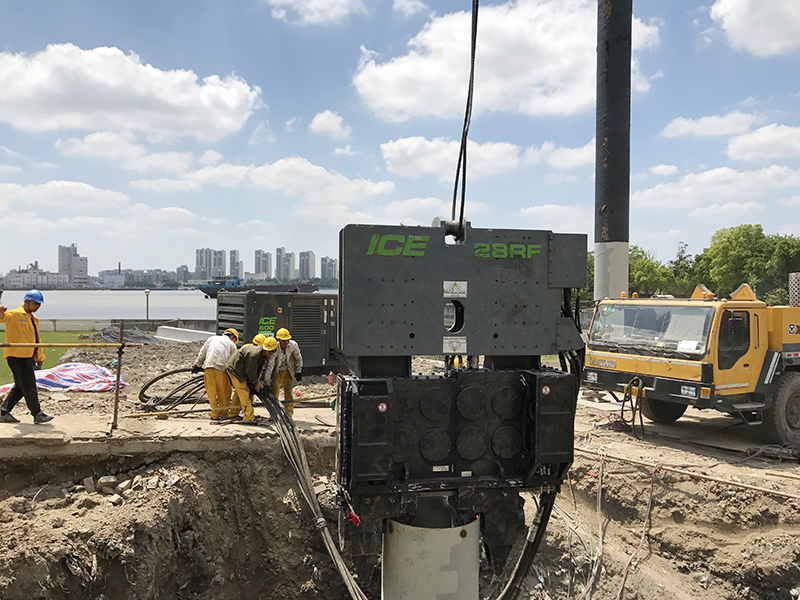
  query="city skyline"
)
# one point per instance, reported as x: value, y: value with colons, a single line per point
x: 73, y: 269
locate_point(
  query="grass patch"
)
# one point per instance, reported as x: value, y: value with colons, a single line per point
x: 52, y: 355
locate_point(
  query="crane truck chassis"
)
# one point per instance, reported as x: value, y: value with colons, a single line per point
x: 734, y: 355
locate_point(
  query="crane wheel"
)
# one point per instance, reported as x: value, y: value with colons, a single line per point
x: 783, y: 417
x: 659, y: 411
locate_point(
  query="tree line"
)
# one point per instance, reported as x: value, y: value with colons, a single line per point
x: 736, y: 255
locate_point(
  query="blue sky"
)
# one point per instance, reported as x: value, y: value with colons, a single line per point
x: 143, y: 130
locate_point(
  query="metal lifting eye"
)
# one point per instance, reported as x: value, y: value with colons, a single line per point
x: 453, y: 316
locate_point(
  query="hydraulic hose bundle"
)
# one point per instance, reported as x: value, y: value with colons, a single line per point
x: 293, y: 449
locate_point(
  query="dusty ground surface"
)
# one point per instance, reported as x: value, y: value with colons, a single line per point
x: 230, y: 525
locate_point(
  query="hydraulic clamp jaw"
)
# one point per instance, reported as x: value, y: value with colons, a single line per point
x: 438, y: 450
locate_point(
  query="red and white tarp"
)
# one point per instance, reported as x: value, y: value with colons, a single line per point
x: 77, y: 377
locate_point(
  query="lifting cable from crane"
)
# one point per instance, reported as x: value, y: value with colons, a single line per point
x: 461, y: 167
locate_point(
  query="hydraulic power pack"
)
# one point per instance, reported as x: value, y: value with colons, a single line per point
x: 312, y: 319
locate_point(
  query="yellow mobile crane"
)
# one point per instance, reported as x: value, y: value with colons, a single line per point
x: 735, y: 355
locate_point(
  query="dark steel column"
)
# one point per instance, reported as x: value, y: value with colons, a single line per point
x: 612, y: 160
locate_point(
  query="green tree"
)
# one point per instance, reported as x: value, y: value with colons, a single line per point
x: 784, y: 258
x: 737, y: 255
x: 646, y: 275
x: 589, y: 272
x: 682, y: 267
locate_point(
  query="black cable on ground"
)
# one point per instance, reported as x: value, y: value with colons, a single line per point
x: 532, y: 542
x: 634, y: 400
x: 191, y: 390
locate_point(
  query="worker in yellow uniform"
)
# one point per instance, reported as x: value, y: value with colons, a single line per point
x: 258, y: 340
x: 212, y: 359
x: 286, y: 368
x: 245, y: 369
x: 22, y: 327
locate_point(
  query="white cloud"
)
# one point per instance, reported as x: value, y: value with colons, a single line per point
x: 8, y: 169
x: 318, y: 187
x: 119, y: 235
x: 414, y: 206
x: 343, y: 150
x: 65, y: 87
x: 741, y: 210
x: 663, y: 169
x: 210, y: 157
x: 761, y: 27
x: 556, y: 178
x: 535, y: 57
x: 331, y: 124
x: 291, y: 124
x: 122, y: 149
x: 733, y: 123
x: 226, y: 175
x: 262, y: 133
x: 322, y: 193
x: 167, y: 185
x: 793, y: 202
x: 314, y: 12
x: 409, y: 7
x: 37, y: 164
x: 562, y: 158
x: 772, y: 141
x: 415, y: 156
x: 555, y: 217
x: 67, y: 195
x: 423, y: 210
x: 722, y: 184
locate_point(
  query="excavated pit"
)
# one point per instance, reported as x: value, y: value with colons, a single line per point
x: 220, y: 524
x: 210, y: 526
x: 231, y: 525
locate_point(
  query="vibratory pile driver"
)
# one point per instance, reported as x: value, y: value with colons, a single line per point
x: 452, y: 452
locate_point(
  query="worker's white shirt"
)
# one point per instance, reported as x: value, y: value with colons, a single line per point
x: 292, y: 358
x: 215, y: 352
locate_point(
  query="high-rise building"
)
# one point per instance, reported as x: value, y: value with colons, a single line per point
x: 235, y: 270
x: 263, y: 266
x: 202, y: 269
x: 307, y: 269
x: 289, y: 269
x: 218, y: 265
x: 209, y: 263
x: 329, y: 268
x: 182, y: 273
x: 280, y: 274
x: 73, y: 265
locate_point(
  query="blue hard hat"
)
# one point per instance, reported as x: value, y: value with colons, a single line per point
x: 34, y: 295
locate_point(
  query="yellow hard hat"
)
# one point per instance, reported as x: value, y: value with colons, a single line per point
x: 270, y: 343
x: 259, y: 339
x: 233, y: 333
x: 283, y: 334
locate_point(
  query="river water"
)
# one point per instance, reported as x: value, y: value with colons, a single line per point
x: 121, y: 304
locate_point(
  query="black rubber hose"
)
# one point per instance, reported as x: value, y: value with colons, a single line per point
x: 529, y: 551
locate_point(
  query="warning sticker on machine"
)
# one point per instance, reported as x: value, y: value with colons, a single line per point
x: 455, y: 289
x: 454, y: 344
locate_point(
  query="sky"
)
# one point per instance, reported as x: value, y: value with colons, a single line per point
x: 142, y: 130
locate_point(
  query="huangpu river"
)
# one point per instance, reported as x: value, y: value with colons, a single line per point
x: 121, y: 304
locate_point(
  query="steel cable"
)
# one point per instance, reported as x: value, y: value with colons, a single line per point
x: 461, y: 167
